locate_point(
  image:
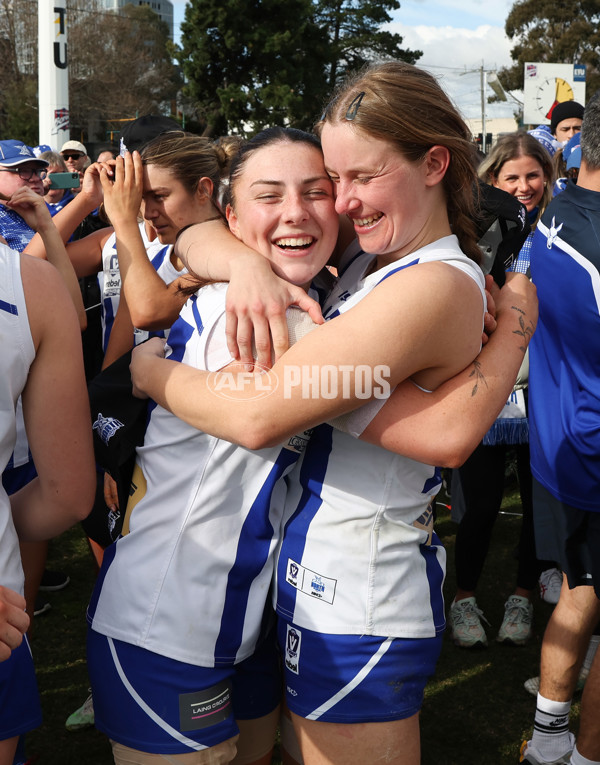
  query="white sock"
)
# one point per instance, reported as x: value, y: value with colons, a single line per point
x: 579, y: 759
x: 551, y: 735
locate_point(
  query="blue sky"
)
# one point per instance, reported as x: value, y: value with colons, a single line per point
x: 456, y: 37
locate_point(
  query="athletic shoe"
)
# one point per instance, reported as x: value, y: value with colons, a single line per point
x: 550, y: 583
x: 40, y: 606
x: 52, y: 581
x: 516, y: 625
x: 82, y: 717
x: 467, y: 631
x: 531, y: 754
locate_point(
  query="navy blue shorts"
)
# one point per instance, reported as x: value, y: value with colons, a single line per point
x: 20, y: 709
x: 568, y: 535
x: 155, y: 704
x: 354, y: 678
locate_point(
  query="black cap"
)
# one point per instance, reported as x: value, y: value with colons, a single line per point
x: 563, y: 111
x: 141, y: 131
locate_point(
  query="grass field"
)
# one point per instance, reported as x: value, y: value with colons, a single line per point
x: 476, y: 710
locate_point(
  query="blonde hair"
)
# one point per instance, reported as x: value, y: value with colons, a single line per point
x: 406, y: 107
x: 513, y: 146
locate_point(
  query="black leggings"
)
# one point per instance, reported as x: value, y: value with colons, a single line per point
x: 482, y: 481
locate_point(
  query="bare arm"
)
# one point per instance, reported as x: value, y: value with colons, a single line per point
x: 257, y: 298
x: 444, y: 427
x: 34, y: 211
x: 67, y: 219
x: 56, y: 409
x: 440, y: 316
x: 152, y: 303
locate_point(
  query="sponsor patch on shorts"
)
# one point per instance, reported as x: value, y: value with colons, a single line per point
x: 292, y: 648
x: 202, y: 709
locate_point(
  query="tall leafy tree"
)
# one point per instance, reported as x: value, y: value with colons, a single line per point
x: 251, y: 63
x: 554, y: 31
x: 356, y: 37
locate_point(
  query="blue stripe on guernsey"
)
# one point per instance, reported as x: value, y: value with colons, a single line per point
x: 312, y: 476
x: 252, y: 553
x: 435, y: 577
x: 8, y: 307
x: 109, y: 320
x: 400, y: 268
x: 336, y: 313
x: 435, y: 480
x: 181, y: 332
x: 159, y: 258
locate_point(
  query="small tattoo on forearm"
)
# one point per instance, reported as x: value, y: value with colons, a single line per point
x: 525, y: 331
x: 479, y: 377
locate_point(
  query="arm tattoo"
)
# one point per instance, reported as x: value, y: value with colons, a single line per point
x: 525, y: 331
x: 479, y: 377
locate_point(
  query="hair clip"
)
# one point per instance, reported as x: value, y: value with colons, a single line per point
x: 354, y: 104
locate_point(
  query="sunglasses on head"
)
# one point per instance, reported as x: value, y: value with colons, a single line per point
x: 72, y: 156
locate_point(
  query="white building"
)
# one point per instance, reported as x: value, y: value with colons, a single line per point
x: 164, y: 8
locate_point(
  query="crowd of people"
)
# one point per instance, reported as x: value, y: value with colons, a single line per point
x: 300, y: 326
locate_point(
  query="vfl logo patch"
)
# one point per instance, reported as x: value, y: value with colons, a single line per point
x: 310, y: 582
x: 553, y: 233
x: 292, y: 648
x: 202, y: 709
x: 106, y: 427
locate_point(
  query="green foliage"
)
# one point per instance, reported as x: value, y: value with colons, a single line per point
x: 253, y: 63
x: 356, y: 37
x: 554, y: 32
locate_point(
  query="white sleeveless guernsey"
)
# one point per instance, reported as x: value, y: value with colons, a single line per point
x: 359, y: 553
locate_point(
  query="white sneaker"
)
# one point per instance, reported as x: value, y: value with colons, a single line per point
x: 83, y: 717
x: 516, y: 626
x: 465, y: 624
x: 550, y: 584
x: 531, y: 754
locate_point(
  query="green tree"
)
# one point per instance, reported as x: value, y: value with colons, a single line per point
x: 356, y: 37
x: 554, y: 31
x: 251, y: 63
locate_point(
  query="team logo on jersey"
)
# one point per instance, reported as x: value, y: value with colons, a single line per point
x: 292, y: 648
x: 344, y: 295
x: 553, y: 233
x: 292, y: 573
x: 106, y: 427
x: 310, y: 582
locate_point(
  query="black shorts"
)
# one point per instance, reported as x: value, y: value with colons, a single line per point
x: 569, y: 536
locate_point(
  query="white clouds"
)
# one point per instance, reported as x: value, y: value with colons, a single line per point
x: 455, y: 55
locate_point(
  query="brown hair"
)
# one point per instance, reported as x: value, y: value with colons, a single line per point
x: 189, y: 158
x: 406, y: 107
x: 516, y: 145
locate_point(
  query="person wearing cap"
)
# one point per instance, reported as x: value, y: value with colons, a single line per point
x: 76, y: 157
x: 19, y: 167
x: 566, y: 120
